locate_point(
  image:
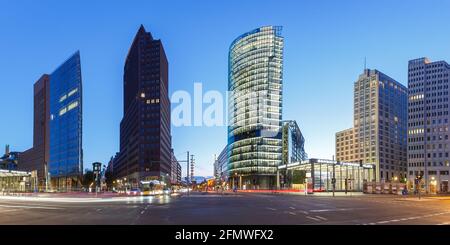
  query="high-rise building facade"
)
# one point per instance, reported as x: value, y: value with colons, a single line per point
x: 345, y: 146
x: 66, y: 152
x: 255, y: 107
x: 175, y: 174
x: 221, y: 171
x: 380, y: 126
x: 57, y: 153
x: 428, y: 124
x: 145, y: 141
x: 37, y: 157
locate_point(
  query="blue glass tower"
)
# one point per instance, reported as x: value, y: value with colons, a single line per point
x: 66, y: 154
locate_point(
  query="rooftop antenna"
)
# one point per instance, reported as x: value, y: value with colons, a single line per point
x: 365, y: 63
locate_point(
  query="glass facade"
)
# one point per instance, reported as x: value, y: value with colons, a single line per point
x: 66, y: 121
x: 349, y: 176
x: 16, y: 181
x: 255, y: 107
x: 293, y: 143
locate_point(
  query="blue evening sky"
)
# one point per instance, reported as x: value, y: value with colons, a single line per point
x: 325, y: 46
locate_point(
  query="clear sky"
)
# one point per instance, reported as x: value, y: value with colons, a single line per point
x: 325, y: 46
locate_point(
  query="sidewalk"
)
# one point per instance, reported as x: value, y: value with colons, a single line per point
x: 287, y: 192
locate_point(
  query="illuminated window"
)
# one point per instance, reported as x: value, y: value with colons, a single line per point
x: 72, y: 92
x: 62, y: 98
x: 62, y: 111
x: 157, y: 101
x: 72, y: 105
x: 142, y: 95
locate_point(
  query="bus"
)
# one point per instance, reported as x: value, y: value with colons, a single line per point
x: 153, y: 187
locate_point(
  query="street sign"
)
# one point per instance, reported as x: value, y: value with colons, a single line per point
x: 308, y: 175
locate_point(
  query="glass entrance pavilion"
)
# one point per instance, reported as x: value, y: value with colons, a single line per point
x: 319, y: 173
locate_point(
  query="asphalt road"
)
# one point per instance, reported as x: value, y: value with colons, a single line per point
x: 245, y: 208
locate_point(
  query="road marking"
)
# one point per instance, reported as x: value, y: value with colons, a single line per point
x: 273, y: 209
x: 7, y: 210
x: 99, y: 209
x: 320, y: 217
x: 309, y: 217
x: 143, y: 211
x: 410, y: 218
x: 383, y: 222
x: 292, y: 208
x: 292, y: 213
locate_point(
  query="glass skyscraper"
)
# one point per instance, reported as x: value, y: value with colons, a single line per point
x: 66, y: 154
x: 57, y: 153
x: 255, y: 108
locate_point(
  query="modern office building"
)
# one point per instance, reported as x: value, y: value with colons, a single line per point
x: 428, y: 124
x: 37, y: 157
x: 175, y: 171
x: 66, y: 153
x: 293, y: 150
x: 293, y: 143
x: 145, y: 140
x: 179, y: 173
x: 380, y: 126
x: 57, y: 153
x: 221, y: 170
x: 9, y: 160
x: 345, y: 146
x: 255, y: 107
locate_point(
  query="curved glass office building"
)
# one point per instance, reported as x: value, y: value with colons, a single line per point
x: 255, y: 108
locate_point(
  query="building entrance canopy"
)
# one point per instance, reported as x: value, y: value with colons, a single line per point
x: 13, y: 173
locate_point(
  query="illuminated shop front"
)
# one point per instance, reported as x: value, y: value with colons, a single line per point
x: 12, y: 181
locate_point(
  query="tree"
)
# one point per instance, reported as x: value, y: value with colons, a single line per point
x: 109, y: 179
x: 298, y: 176
x: 88, y: 178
